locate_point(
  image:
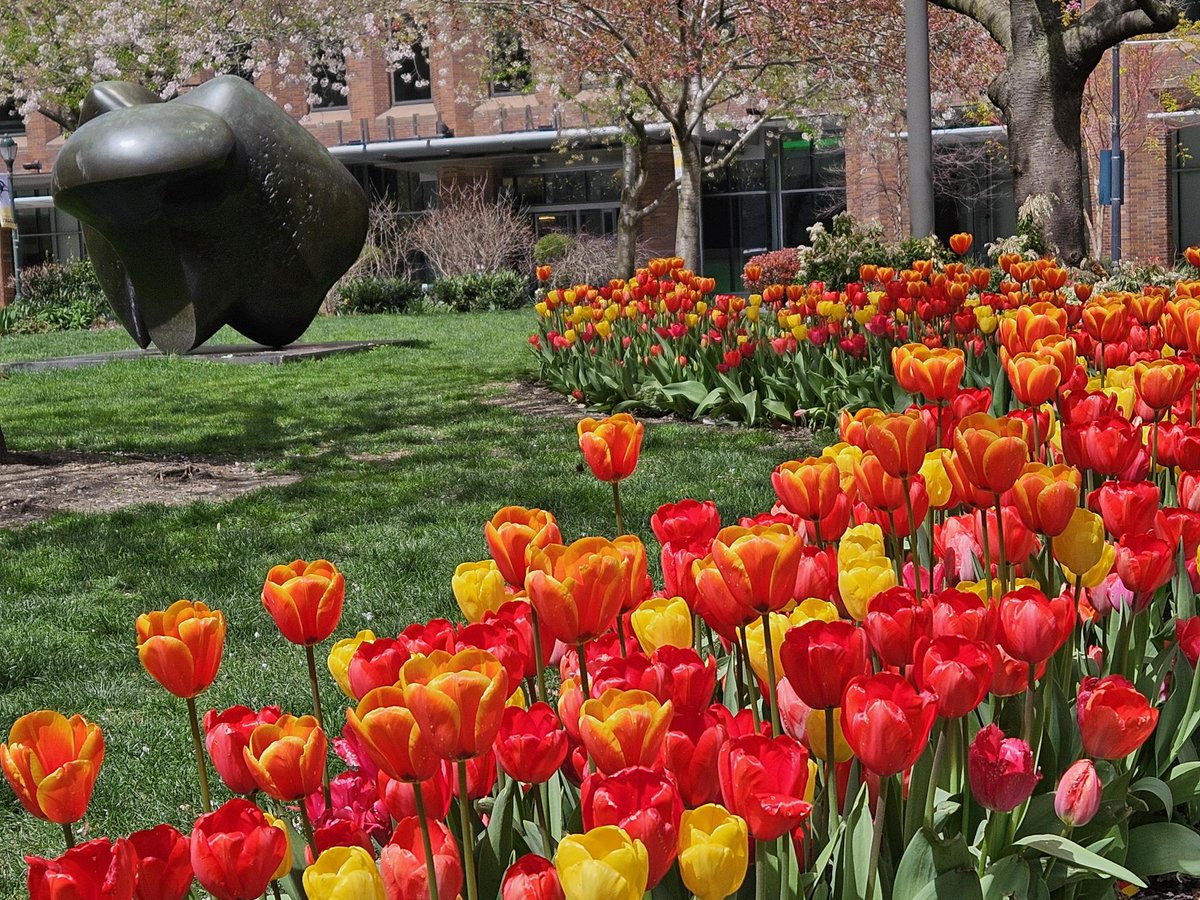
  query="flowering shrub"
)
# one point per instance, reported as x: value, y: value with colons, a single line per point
x: 775, y: 267
x: 958, y: 651
x: 663, y: 342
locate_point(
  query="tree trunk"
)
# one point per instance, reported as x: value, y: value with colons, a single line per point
x: 687, y: 223
x: 1041, y: 96
x: 633, y: 179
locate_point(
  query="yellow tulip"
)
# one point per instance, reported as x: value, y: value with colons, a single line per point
x: 1081, y: 546
x: 714, y: 851
x: 285, y: 864
x: 862, y: 581
x: 937, y: 482
x: 980, y: 588
x: 756, y: 646
x: 479, y: 588
x: 814, y: 735
x: 846, y: 456
x: 344, y: 873
x: 1097, y: 573
x: 663, y: 622
x: 603, y: 864
x: 340, y: 655
x: 860, y: 540
x: 812, y: 609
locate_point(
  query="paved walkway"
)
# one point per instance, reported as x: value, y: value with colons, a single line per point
x: 247, y: 353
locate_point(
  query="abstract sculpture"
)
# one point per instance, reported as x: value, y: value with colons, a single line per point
x: 213, y: 209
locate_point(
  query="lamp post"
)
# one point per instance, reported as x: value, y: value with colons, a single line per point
x: 919, y: 118
x: 8, y: 153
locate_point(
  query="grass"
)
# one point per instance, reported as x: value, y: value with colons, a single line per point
x: 400, y: 462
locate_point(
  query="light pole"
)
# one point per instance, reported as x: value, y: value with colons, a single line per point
x: 1117, y: 176
x: 919, y: 117
x: 8, y: 153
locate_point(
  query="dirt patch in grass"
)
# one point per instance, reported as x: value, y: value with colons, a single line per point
x: 35, y: 486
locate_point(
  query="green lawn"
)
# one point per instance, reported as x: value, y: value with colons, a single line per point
x: 400, y: 465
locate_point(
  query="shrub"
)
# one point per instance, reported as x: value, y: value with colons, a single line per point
x: 468, y: 233
x: 551, y: 247
x: 58, y: 297
x: 591, y: 260
x: 493, y: 290
x: 778, y: 267
x: 367, y: 294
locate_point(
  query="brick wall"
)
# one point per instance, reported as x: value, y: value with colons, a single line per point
x: 658, y: 228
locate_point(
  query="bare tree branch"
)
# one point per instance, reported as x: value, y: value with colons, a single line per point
x: 991, y: 14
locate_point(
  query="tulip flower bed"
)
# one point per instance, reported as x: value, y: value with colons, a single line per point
x: 956, y: 658
x: 800, y: 354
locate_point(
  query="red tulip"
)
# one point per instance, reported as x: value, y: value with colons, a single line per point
x: 519, y: 615
x: 894, y: 623
x: 688, y: 522
x: 1011, y: 676
x: 821, y: 658
x: 1145, y: 563
x: 1001, y: 770
x: 690, y: 751
x: 532, y: 744
x: 642, y: 801
x: 500, y: 639
x: 164, y: 863
x: 816, y: 575
x: 1019, y: 541
x: 355, y: 799
x: 1179, y: 527
x: 887, y: 722
x: 235, y: 851
x: 1114, y: 719
x: 1187, y: 635
x: 963, y: 613
x: 400, y: 796
x: 531, y: 877
x: 95, y: 870
x: 1031, y: 626
x: 402, y: 862
x: 376, y: 664
x: 1126, y: 506
x: 763, y: 780
x: 1108, y: 445
x: 425, y: 637
x: 1077, y: 799
x: 481, y: 776
x: 227, y: 734
x: 957, y: 670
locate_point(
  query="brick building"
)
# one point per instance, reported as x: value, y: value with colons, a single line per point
x: 406, y: 134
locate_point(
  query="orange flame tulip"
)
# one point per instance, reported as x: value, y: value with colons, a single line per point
x: 287, y: 757
x: 899, y: 441
x: 1159, y: 383
x: 578, y: 590
x: 809, y: 488
x: 52, y: 762
x: 181, y: 647
x: 611, y: 446
x: 1034, y: 377
x: 458, y: 701
x: 757, y: 565
x: 624, y: 728
x: 935, y: 372
x: 511, y: 532
x: 1046, y: 497
x: 391, y: 735
x: 992, y: 452
x: 305, y: 600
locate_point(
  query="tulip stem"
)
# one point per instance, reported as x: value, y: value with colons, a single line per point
x: 426, y: 843
x: 316, y: 697
x: 468, y: 833
x: 760, y: 870
x: 68, y: 835
x: 1000, y: 545
x: 537, y: 652
x: 771, y: 695
x: 584, y: 684
x: 831, y: 773
x: 621, y: 635
x: 306, y: 824
x: 748, y: 671
x: 1029, y: 704
x: 617, y: 508
x: 987, y: 555
x: 275, y: 890
x: 198, y: 747
x: 876, y: 838
x: 543, y: 820
x: 935, y: 774
x: 912, y: 532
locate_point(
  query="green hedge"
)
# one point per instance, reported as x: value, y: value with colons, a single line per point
x: 491, y: 290
x: 378, y: 295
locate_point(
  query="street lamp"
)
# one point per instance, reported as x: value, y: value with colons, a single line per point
x: 8, y: 153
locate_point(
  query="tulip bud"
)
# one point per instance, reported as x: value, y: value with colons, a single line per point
x: 1078, y: 796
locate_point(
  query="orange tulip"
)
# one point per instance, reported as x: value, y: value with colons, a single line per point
x: 1146, y: 308
x: 899, y: 442
x: 1105, y: 321
x: 758, y: 565
x: 1032, y: 323
x: 992, y: 452
x: 640, y: 586
x: 181, y: 647
x: 876, y: 487
x: 961, y: 243
x: 810, y: 487
x: 1159, y: 383
x: 624, y: 728
x: 1034, y: 377
x: 935, y: 372
x: 305, y: 600
x: 51, y: 763
x: 1046, y: 497
x: 287, y: 757
x: 458, y: 701
x: 611, y: 446
x: 853, y: 428
x: 1059, y: 349
x: 1192, y: 255
x: 578, y: 590
x: 393, y: 740
x: 511, y: 532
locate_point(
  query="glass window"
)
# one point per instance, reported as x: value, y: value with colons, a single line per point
x: 328, y: 81
x: 566, y: 187
x: 548, y: 223
x: 804, y: 209
x: 747, y: 175
x: 604, y: 185
x: 509, y: 69
x: 531, y: 190
x: 10, y: 122
x: 410, y: 79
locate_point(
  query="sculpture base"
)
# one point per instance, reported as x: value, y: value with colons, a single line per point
x: 240, y: 354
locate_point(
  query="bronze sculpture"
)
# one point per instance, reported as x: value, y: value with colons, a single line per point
x: 214, y: 208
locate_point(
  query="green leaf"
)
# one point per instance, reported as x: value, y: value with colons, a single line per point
x: 957, y: 885
x: 1184, y: 782
x: 1161, y: 848
x: 1069, y: 851
x: 926, y: 861
x: 693, y: 392
x: 856, y: 854
x: 1158, y: 789
x: 1008, y: 877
